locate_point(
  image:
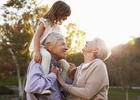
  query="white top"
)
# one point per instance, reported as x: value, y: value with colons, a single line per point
x: 48, y: 29
x: 85, y: 65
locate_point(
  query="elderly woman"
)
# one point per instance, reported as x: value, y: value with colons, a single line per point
x: 91, y: 78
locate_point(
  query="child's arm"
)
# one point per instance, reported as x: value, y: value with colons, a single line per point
x: 39, y: 33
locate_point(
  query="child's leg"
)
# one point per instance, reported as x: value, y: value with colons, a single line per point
x: 45, y: 63
x: 46, y: 59
x: 65, y: 66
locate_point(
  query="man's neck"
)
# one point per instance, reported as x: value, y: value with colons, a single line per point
x: 54, y: 61
x: 55, y: 57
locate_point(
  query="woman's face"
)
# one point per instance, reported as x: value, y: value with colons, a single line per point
x: 90, y: 47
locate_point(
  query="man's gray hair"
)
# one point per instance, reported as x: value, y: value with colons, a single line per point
x: 53, y: 37
x: 104, y: 51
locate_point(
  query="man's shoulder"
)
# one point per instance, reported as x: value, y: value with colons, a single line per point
x: 33, y: 66
x: 33, y: 63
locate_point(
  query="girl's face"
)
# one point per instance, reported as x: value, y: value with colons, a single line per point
x: 62, y: 19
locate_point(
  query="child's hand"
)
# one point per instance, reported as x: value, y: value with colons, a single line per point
x: 37, y: 57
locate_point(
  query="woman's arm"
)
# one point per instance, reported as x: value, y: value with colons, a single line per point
x: 93, y: 85
x: 71, y: 71
x: 38, y: 35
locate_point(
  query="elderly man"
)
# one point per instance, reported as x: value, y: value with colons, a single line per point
x: 37, y: 82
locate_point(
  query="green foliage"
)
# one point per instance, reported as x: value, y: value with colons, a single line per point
x: 15, y: 3
x: 19, y: 27
x: 74, y: 39
x: 123, y: 65
x: 17, y: 31
x: 76, y: 58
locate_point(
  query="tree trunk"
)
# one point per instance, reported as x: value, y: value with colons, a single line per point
x: 126, y: 93
x: 20, y: 88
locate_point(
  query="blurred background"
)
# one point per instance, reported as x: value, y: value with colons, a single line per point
x: 116, y: 21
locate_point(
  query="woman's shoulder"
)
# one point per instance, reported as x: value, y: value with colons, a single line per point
x: 98, y: 62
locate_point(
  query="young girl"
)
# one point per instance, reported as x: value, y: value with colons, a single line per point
x: 49, y: 23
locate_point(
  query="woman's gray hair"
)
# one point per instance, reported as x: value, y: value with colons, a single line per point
x: 104, y: 51
x: 53, y: 37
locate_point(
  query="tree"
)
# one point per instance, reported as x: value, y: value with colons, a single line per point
x: 20, y: 18
x: 74, y: 38
x: 75, y: 58
x: 123, y: 65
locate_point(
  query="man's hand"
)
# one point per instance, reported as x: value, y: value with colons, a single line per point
x: 55, y: 69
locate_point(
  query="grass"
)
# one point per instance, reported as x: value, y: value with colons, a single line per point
x: 114, y: 93
x: 119, y: 94
x: 12, y: 80
x: 8, y: 97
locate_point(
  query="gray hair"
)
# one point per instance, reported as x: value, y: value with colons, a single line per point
x: 53, y: 37
x: 104, y: 51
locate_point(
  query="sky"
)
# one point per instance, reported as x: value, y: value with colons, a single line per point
x: 115, y: 21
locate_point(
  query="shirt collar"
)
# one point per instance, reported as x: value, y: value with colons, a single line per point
x: 85, y: 66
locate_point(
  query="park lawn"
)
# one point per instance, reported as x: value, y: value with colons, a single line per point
x: 119, y: 94
x: 12, y: 80
x: 114, y: 93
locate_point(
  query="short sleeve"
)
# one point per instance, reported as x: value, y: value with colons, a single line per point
x: 44, y: 21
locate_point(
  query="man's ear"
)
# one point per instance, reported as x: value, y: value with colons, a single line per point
x: 49, y: 46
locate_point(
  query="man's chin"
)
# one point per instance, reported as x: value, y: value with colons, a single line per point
x: 61, y: 57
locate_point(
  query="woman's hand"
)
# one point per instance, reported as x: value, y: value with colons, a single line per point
x: 37, y: 57
x: 71, y: 71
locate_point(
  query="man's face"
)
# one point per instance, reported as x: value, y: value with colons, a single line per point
x: 59, y: 49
